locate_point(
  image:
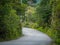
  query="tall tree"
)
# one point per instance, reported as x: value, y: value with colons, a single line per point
x: 44, y: 13
x: 56, y: 18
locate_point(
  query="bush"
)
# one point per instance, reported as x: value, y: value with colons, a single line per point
x: 10, y: 27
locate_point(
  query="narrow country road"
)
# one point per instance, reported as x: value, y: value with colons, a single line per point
x: 31, y: 37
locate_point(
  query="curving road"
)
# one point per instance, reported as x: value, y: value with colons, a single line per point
x: 31, y: 37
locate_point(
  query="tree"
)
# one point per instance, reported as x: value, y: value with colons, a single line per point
x: 10, y: 27
x: 56, y: 19
x: 44, y: 13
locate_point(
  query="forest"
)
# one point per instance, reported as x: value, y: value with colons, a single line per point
x: 43, y: 15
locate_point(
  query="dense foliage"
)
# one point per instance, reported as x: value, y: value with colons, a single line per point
x: 44, y: 13
x: 56, y: 19
x: 45, y: 17
x: 49, y: 14
x: 10, y: 27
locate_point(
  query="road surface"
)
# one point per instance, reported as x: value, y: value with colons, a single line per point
x: 31, y: 37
